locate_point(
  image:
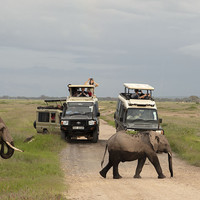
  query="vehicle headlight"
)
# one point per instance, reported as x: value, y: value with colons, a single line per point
x: 65, y: 123
x: 91, y: 122
x: 160, y: 132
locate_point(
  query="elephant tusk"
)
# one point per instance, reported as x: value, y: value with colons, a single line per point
x: 16, y: 149
x: 170, y: 154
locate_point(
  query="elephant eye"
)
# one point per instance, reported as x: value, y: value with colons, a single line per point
x: 157, y: 138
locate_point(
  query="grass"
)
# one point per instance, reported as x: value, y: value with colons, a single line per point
x: 182, y: 128
x: 36, y: 173
x: 181, y: 123
x: 107, y: 110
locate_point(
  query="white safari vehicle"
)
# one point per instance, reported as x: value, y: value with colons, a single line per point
x: 80, y: 115
x: 136, y: 109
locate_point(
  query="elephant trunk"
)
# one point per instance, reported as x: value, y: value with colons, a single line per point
x: 170, y: 163
x: 9, y: 152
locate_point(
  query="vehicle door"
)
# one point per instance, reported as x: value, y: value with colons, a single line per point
x: 116, y: 114
x: 54, y: 120
x: 120, y: 116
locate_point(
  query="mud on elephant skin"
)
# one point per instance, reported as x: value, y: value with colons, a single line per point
x: 124, y: 147
x: 6, y: 141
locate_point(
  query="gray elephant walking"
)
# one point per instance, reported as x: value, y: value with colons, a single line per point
x: 6, y: 140
x: 124, y: 147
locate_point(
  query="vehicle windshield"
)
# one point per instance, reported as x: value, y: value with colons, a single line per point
x: 136, y: 114
x: 76, y: 108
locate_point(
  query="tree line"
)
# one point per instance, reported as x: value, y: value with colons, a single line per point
x: 195, y: 99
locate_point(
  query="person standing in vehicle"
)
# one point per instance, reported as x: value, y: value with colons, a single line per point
x: 91, y: 81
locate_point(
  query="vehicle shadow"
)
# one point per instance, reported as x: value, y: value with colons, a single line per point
x: 85, y: 141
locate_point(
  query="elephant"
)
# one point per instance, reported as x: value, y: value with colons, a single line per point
x: 123, y: 147
x: 6, y: 140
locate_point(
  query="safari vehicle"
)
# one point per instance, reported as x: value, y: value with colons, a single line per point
x: 48, y: 117
x: 137, y: 114
x: 80, y: 115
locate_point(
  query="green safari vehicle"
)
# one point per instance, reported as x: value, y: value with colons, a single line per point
x: 48, y: 117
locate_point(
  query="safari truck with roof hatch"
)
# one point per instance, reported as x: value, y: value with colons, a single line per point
x: 80, y: 117
x: 48, y: 117
x: 136, y: 109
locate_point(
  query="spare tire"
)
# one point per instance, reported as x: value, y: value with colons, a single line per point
x: 34, y: 124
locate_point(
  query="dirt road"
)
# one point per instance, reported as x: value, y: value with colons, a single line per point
x: 81, y: 164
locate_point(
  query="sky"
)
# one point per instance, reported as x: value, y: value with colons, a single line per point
x: 45, y: 45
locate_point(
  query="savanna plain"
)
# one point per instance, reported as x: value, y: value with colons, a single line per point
x: 37, y: 173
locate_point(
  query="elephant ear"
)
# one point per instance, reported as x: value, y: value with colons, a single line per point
x: 154, y: 140
x: 5, y: 135
x: 2, y: 126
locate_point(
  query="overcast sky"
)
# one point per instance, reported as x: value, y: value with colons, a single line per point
x: 44, y: 45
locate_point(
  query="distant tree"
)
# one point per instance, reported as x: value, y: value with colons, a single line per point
x: 43, y: 97
x: 194, y: 99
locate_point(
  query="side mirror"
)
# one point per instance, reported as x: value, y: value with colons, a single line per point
x: 115, y: 115
x: 160, y: 121
x: 98, y: 114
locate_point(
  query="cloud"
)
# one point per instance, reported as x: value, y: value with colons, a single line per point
x: 46, y: 44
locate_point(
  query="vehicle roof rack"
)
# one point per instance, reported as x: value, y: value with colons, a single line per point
x: 54, y: 100
x: 81, y: 86
x: 138, y: 86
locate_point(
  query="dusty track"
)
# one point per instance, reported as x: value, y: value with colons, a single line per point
x: 81, y: 164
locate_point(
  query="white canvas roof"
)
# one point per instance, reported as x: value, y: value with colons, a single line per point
x: 138, y: 86
x: 81, y: 86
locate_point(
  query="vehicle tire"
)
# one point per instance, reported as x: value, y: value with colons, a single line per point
x: 45, y: 131
x: 95, y: 136
x: 68, y: 138
x: 34, y: 124
x: 63, y: 135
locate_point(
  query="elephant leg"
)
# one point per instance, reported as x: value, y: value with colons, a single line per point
x: 154, y: 160
x: 104, y: 171
x: 140, y: 165
x: 116, y: 174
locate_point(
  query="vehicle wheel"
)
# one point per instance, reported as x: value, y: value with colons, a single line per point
x: 63, y: 135
x: 95, y: 136
x: 119, y: 128
x: 34, y: 124
x: 45, y: 131
x: 68, y: 138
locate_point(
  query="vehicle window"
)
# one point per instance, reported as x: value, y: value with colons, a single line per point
x: 121, y: 112
x: 53, y: 117
x: 79, y: 108
x: 118, y: 105
x: 141, y: 114
x: 80, y: 104
x: 43, y: 117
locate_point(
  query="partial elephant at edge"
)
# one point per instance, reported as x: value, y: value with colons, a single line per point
x: 6, y: 140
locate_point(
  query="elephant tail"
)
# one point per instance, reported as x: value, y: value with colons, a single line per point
x: 104, y: 155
